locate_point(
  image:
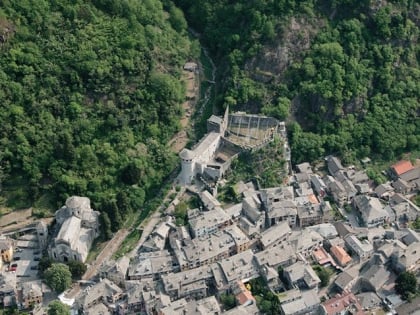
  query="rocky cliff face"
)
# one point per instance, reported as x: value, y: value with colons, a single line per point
x: 7, y: 30
x: 289, y: 46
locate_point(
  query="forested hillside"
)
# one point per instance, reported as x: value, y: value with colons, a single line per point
x: 90, y: 93
x: 345, y: 73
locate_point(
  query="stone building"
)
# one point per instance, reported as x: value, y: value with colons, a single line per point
x: 227, y: 136
x: 31, y: 294
x: 79, y: 226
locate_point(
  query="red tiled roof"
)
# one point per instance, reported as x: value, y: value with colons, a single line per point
x: 322, y: 256
x: 402, y: 167
x: 341, y: 255
x: 342, y: 302
x: 244, y: 297
x: 313, y: 199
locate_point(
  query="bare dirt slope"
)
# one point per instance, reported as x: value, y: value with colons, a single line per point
x: 15, y: 217
x: 179, y: 140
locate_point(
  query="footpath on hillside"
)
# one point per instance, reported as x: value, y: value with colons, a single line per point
x: 192, y: 83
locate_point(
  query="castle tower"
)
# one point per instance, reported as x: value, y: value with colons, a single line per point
x: 187, y: 165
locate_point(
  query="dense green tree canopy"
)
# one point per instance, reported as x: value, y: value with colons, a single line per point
x: 323, y: 274
x: 89, y: 96
x: 352, y: 85
x: 406, y: 285
x: 58, y: 277
x: 44, y: 263
x: 77, y: 269
x: 57, y: 308
x: 228, y: 301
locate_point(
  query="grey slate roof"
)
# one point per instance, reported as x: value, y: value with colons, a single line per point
x: 334, y: 165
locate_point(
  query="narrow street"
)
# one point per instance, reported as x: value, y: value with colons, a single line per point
x: 106, y: 253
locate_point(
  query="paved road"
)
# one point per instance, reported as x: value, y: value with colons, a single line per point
x: 106, y: 254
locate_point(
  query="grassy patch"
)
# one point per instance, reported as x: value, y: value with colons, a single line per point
x: 14, y: 193
x: 45, y: 205
x: 4, y: 211
x: 324, y: 274
x: 131, y: 217
x: 228, y: 194
x: 267, y: 301
x: 41, y: 213
x: 336, y: 213
x: 153, y: 204
x: 172, y: 196
x: 12, y: 311
x: 96, y: 248
x: 181, y: 214
x: 415, y: 224
x: 266, y: 164
x: 193, y: 202
x: 416, y: 200
x: 348, y: 208
x: 17, y: 198
x: 128, y: 244
x: 150, y: 207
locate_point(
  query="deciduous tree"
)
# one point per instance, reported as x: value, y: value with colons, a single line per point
x: 77, y: 269
x: 58, y: 308
x: 58, y: 277
x: 406, y: 285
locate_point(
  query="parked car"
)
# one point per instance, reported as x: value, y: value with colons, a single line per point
x: 16, y: 258
x: 37, y: 252
x: 34, y: 267
x: 37, y: 258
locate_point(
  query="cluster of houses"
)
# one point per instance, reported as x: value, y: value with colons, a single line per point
x: 21, y: 250
x: 228, y: 136
x: 333, y: 218
x: 19, y: 282
x: 281, y: 235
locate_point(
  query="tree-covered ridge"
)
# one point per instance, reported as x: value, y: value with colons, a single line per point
x: 89, y: 96
x: 359, y: 84
x: 354, y: 90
